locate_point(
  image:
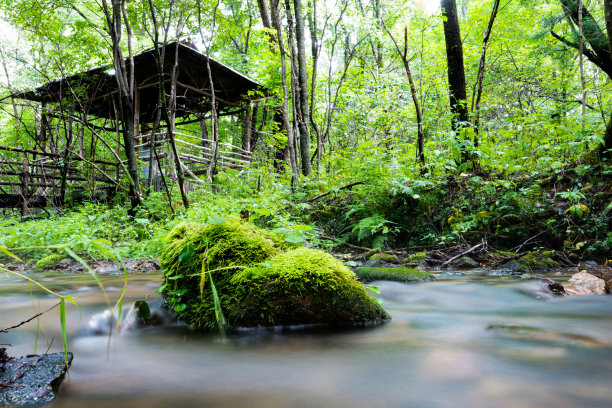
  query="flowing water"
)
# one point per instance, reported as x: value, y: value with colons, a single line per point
x: 462, y: 341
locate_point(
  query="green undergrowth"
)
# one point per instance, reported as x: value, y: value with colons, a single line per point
x: 567, y: 208
x: 369, y: 274
x: 233, y: 270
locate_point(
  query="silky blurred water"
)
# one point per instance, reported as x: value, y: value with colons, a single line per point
x: 464, y: 340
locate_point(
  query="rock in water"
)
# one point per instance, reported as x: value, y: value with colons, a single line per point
x: 251, y: 277
x: 584, y: 283
x: 32, y: 380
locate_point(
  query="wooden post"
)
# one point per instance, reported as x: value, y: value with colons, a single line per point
x: 24, y: 185
x: 66, y: 163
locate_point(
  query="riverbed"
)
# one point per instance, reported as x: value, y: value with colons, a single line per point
x: 465, y: 340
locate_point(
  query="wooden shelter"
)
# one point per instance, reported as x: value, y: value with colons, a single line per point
x: 76, y: 135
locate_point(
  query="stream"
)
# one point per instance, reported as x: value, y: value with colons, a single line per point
x: 466, y: 340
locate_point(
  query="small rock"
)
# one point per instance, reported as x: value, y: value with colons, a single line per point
x: 389, y: 258
x: 511, y: 265
x: 607, y: 277
x: 465, y: 262
x: 584, y: 283
x: 555, y: 287
x: 377, y: 264
x: 32, y: 380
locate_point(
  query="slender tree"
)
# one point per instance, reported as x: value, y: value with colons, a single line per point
x: 403, y: 54
x: 477, y: 92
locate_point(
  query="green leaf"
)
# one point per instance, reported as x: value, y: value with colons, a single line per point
x: 63, y: 327
x: 8, y: 253
x: 186, y: 253
x: 295, y: 239
x: 216, y: 220
x: 143, y: 310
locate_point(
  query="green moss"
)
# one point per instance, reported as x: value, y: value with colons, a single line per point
x: 390, y: 258
x: 537, y: 260
x: 368, y: 274
x: 417, y: 257
x: 49, y: 262
x: 303, y: 286
x: 218, y: 249
x: 259, y: 281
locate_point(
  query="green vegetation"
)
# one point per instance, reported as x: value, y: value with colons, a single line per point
x: 235, y: 270
x: 369, y: 274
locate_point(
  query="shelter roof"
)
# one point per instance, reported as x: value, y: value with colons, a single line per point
x: 93, y: 91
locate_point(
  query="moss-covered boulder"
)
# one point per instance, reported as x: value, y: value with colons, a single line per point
x: 49, y: 262
x: 252, y: 278
x: 302, y: 286
x: 389, y: 258
x: 369, y: 274
x: 417, y: 257
x: 537, y: 261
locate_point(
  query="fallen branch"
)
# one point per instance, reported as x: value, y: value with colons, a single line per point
x: 29, y: 320
x: 310, y: 200
x: 469, y: 250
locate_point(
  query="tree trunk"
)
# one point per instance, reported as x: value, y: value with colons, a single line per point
x: 285, y: 107
x: 607, y: 146
x: 456, y: 74
x: 125, y: 85
x: 303, y: 112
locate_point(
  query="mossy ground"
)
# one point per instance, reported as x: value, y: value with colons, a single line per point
x: 49, y: 262
x: 259, y: 280
x: 369, y: 274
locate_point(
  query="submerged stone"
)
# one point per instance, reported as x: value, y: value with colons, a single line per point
x: 33, y: 380
x: 251, y: 277
x: 369, y: 274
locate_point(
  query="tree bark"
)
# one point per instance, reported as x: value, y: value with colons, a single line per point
x: 456, y: 73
